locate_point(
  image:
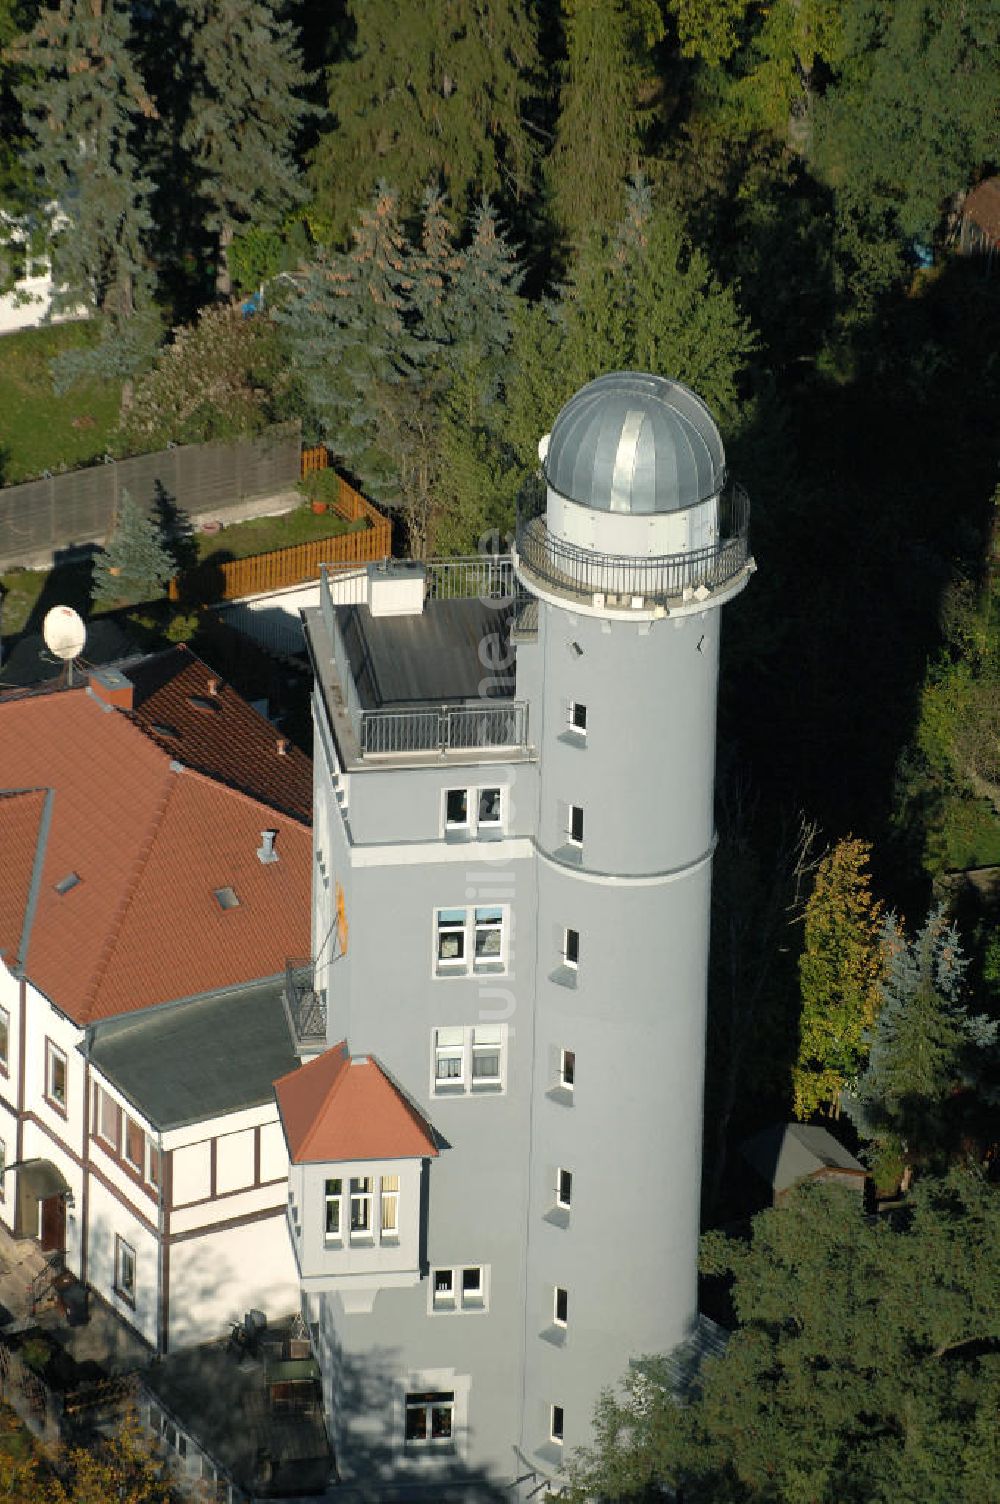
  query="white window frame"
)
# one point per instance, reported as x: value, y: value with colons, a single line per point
x: 474, y: 821
x: 429, y: 1401
x: 557, y: 1320
x: 567, y: 1080
x: 4, y: 1041
x: 560, y: 1172
x: 572, y: 724
x: 471, y: 926
x: 126, y: 1263
x: 572, y: 839
x: 138, y: 1165
x: 458, y: 1295
x: 107, y: 1104
x: 467, y: 1044
x: 388, y: 1198
x: 365, y: 1200
x: 55, y: 1056
x: 330, y: 1199
x: 3, y: 1169
x: 571, y: 942
x: 557, y: 1424
x: 153, y: 1152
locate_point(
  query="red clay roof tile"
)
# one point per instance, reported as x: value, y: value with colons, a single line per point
x: 20, y: 823
x: 149, y: 842
x: 335, y: 1109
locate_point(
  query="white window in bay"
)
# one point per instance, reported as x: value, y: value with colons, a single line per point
x: 473, y: 1288
x: 488, y: 948
x: 487, y: 1041
x: 451, y: 939
x: 444, y: 1289
x: 390, y: 1206
x: 430, y: 1420
x: 332, y: 1198
x: 361, y: 1206
x: 449, y: 1057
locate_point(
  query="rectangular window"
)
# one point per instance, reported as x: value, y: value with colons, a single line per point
x: 443, y: 1288
x: 451, y: 940
x: 390, y: 1206
x: 55, y: 1076
x: 108, y: 1119
x: 564, y: 1187
x: 488, y: 950
x: 332, y: 1202
x: 456, y: 809
x: 487, y: 1042
x: 430, y: 1420
x: 361, y: 1206
x: 461, y: 1289
x: 152, y: 1163
x: 135, y: 1145
x: 449, y: 1058
x: 4, y: 1040
x: 3, y: 1163
x: 556, y: 1424
x: 567, y: 1069
x: 468, y: 1059
x: 125, y: 1270
x: 489, y: 809
x: 560, y: 1306
x: 576, y: 824
x: 470, y: 939
x: 578, y: 717
x: 571, y: 948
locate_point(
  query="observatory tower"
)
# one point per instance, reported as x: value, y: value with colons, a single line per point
x: 635, y: 549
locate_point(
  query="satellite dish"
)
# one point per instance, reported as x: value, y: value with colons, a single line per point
x: 64, y: 632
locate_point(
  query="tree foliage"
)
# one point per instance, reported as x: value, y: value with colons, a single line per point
x: 839, y: 972
x: 606, y: 78
x: 244, y: 110
x: 926, y: 1048
x: 428, y: 94
x: 864, y: 1369
x: 219, y: 377
x: 135, y: 564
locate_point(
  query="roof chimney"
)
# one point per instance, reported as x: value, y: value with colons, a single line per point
x: 112, y: 687
x: 265, y: 851
x: 213, y: 686
x: 282, y: 746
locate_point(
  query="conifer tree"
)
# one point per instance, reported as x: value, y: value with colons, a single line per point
x: 87, y: 110
x: 429, y: 94
x: 136, y: 563
x: 839, y: 971
x: 244, y: 112
x: 599, y: 128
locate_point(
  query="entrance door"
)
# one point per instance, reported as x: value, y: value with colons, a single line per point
x: 54, y: 1224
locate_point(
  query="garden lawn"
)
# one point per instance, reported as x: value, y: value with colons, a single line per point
x: 38, y: 430
x: 263, y: 534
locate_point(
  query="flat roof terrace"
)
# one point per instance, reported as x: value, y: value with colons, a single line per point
x: 432, y: 681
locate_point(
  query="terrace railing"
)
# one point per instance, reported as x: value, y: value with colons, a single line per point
x: 581, y: 573
x: 444, y: 728
x: 305, y: 1008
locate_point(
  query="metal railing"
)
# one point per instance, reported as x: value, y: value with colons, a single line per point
x: 444, y: 728
x: 305, y: 1008
x: 582, y: 573
x: 478, y: 576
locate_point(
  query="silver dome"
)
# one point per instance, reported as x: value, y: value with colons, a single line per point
x: 629, y: 442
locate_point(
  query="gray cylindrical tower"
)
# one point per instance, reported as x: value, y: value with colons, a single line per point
x: 637, y: 547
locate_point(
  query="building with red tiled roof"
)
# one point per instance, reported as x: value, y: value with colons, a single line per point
x: 336, y: 1108
x: 158, y: 858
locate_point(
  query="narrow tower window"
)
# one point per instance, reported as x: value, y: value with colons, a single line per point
x: 567, y: 1069
x: 578, y: 717
x: 571, y: 948
x: 576, y: 824
x: 560, y: 1306
x: 564, y: 1187
x: 556, y: 1424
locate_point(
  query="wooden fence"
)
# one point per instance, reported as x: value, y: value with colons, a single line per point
x: 231, y: 579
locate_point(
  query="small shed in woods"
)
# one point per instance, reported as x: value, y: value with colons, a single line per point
x: 787, y: 1153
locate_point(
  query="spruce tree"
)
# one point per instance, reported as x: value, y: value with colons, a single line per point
x: 429, y: 94
x: 599, y: 128
x: 244, y: 112
x: 135, y: 564
x: 88, y: 110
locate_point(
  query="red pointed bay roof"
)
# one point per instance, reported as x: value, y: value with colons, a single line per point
x: 337, y: 1108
